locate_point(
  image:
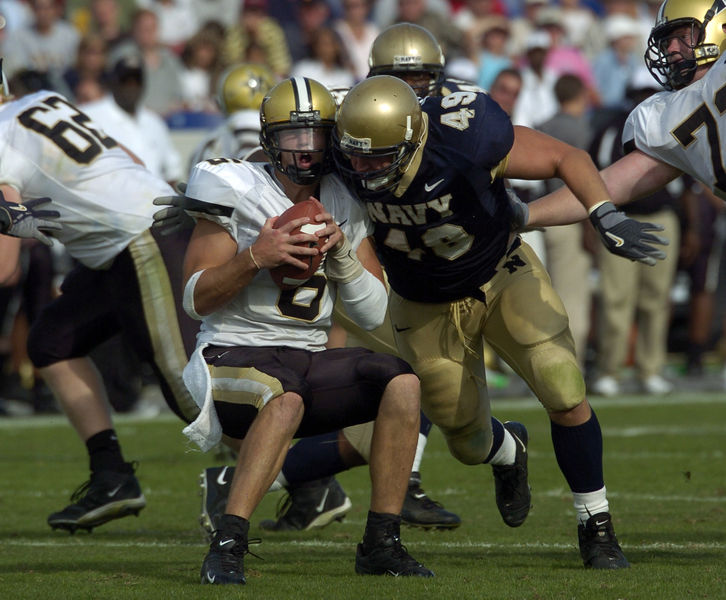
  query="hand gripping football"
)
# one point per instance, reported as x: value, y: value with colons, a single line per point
x: 288, y: 277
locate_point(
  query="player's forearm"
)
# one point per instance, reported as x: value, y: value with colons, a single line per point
x: 215, y: 287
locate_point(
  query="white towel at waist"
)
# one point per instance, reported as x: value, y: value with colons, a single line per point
x: 205, y: 431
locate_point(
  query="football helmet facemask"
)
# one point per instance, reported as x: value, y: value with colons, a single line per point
x: 5, y: 95
x: 380, y: 118
x: 706, y: 19
x: 243, y: 87
x: 296, y: 117
x: 409, y: 51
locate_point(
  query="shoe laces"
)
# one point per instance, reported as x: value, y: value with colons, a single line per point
x: 418, y: 494
x: 238, y: 550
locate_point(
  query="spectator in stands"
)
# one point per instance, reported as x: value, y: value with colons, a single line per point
x: 256, y: 28
x: 505, y: 89
x: 446, y: 33
x: 614, y: 67
x: 492, y: 57
x: 49, y: 44
x: 522, y: 27
x: 300, y: 34
x: 568, y: 261
x: 143, y: 132
x: 162, y: 90
x: 223, y: 12
x: 563, y: 57
x: 90, y: 65
x: 577, y: 20
x: 357, y: 33
x: 106, y: 22
x: 632, y: 292
x: 328, y: 63
x: 202, y: 60
x: 177, y: 20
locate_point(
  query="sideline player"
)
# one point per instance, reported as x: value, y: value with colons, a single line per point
x: 261, y: 373
x: 240, y: 91
x: 431, y: 176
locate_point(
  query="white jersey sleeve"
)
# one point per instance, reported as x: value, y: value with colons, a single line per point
x: 50, y: 148
x: 686, y: 128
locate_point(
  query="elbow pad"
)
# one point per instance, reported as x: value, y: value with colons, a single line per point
x: 365, y: 300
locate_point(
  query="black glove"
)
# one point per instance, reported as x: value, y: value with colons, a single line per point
x: 175, y: 218
x: 24, y: 221
x: 627, y: 237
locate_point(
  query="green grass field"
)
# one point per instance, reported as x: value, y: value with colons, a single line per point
x: 664, y: 466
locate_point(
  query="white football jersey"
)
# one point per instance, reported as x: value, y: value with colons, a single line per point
x: 262, y: 314
x: 686, y: 128
x: 50, y: 148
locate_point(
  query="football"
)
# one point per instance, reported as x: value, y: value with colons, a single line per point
x: 288, y: 277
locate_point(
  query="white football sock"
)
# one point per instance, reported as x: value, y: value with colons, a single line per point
x: 589, y: 504
x: 507, y: 451
x: 422, y: 439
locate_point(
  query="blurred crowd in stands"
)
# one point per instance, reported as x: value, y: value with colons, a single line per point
x: 573, y: 68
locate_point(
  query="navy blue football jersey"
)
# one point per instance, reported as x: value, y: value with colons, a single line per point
x: 443, y: 237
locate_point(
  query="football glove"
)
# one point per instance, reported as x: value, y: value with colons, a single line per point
x: 25, y: 221
x: 520, y: 211
x: 174, y: 218
x: 625, y: 236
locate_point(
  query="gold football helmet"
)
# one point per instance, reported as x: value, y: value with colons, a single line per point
x: 296, y: 118
x: 706, y: 19
x: 380, y: 118
x: 405, y: 50
x: 243, y: 86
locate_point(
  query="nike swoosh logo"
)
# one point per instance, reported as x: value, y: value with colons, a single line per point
x: 599, y: 523
x: 428, y: 187
x: 211, y: 578
x: 225, y: 542
x: 114, y: 490
x: 319, y: 508
x: 220, y: 478
x: 400, y: 329
x: 524, y: 448
x: 618, y: 240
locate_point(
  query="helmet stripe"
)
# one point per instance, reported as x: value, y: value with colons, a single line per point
x: 303, y: 94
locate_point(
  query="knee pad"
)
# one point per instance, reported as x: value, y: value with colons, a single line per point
x: 557, y: 380
x: 470, y: 445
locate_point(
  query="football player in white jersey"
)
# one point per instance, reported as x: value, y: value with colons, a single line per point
x: 679, y: 130
x: 128, y: 280
x: 261, y: 374
x: 240, y: 92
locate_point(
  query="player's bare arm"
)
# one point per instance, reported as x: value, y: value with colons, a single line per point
x: 536, y: 155
x: 633, y: 176
x: 226, y: 271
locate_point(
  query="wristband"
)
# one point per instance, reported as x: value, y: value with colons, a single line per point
x: 594, y: 207
x: 342, y: 265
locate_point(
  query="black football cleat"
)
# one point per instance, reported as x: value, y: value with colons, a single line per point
x: 313, y: 506
x: 599, y: 547
x: 421, y: 511
x: 215, y: 483
x: 387, y: 556
x: 106, y: 496
x: 224, y: 563
x: 513, y: 495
